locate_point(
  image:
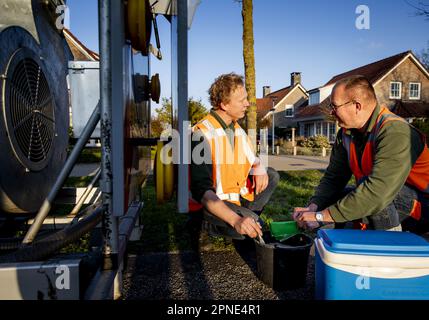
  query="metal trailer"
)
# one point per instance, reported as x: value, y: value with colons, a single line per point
x: 98, y: 275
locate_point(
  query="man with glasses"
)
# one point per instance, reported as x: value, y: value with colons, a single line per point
x: 389, y: 159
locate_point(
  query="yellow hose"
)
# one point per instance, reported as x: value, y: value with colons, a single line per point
x: 159, y: 174
x: 168, y: 179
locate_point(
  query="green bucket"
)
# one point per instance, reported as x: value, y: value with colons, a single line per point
x: 282, y: 229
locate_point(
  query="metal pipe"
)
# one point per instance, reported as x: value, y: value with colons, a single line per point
x: 182, y: 104
x: 65, y: 172
x: 272, y: 134
x: 158, y: 44
x: 43, y: 248
x: 110, y: 222
x: 274, y: 99
x: 86, y: 193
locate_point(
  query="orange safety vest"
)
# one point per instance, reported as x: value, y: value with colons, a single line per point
x: 230, y: 168
x: 419, y: 174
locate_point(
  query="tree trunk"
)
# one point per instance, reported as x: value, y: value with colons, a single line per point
x: 249, y: 67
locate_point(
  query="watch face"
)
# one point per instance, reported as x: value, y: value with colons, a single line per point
x: 319, y: 216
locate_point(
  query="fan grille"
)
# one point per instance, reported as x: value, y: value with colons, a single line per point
x: 30, y: 112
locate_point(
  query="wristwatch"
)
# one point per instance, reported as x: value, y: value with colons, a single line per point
x: 319, y: 217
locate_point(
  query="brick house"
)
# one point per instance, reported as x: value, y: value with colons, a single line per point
x: 283, y: 103
x: 401, y: 83
x: 79, y: 50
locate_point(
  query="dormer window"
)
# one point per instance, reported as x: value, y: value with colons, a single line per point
x: 289, y: 110
x: 414, y: 92
x: 314, y: 98
x: 395, y: 90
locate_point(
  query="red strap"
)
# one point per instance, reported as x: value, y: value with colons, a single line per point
x: 249, y: 184
x: 359, y: 225
x: 194, y: 206
x: 416, y: 211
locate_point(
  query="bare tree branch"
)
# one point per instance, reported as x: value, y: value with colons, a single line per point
x: 421, y: 7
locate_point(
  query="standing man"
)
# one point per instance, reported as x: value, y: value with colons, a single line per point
x: 225, y: 171
x: 389, y: 159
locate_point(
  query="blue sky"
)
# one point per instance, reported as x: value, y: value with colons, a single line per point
x: 316, y: 37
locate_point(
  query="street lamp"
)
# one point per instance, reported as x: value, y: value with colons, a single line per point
x: 274, y: 99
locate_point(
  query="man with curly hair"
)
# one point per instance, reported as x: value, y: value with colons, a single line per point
x: 229, y: 184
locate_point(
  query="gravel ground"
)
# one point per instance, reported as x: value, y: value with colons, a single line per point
x: 209, y: 275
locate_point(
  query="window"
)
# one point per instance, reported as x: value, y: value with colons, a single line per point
x: 314, y: 97
x: 332, y: 133
x: 289, y: 110
x: 395, y: 90
x: 414, y: 91
x: 318, y: 128
x: 307, y: 129
x: 325, y: 129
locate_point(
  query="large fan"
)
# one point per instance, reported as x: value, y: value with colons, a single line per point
x: 34, y: 117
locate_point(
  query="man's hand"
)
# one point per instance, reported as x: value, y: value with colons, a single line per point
x: 307, y: 219
x: 260, y: 176
x: 299, y: 210
x: 248, y: 226
x: 260, y: 183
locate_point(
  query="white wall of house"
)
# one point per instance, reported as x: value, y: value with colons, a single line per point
x: 325, y: 92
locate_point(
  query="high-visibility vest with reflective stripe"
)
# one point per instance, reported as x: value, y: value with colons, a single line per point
x: 419, y: 174
x: 230, y: 168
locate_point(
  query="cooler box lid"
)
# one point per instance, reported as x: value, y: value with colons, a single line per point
x: 371, y: 242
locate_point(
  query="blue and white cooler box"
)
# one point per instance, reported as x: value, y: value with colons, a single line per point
x: 368, y: 265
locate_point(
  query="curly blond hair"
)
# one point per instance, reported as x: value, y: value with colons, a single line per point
x: 221, y: 89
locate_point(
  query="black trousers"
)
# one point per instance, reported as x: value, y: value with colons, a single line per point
x: 404, y: 208
x: 217, y: 227
x: 397, y: 212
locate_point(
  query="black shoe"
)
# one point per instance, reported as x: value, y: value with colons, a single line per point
x: 218, y: 231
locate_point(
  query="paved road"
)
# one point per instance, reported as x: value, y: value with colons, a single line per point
x: 280, y: 163
x: 289, y: 163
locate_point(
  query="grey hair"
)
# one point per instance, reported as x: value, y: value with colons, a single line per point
x: 359, y: 85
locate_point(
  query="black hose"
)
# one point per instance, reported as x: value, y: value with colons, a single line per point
x: 43, y: 248
x: 10, y: 243
x: 7, y: 244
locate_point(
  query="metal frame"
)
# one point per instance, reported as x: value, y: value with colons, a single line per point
x: 110, y: 111
x: 179, y: 29
x: 48, y: 280
x: 110, y: 222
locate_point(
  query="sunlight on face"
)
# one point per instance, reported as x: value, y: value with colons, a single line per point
x: 238, y: 104
x: 345, y: 114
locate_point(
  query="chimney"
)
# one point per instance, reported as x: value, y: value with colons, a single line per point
x: 295, y: 78
x: 266, y: 90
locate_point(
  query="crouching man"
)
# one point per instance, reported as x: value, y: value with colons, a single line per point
x: 228, y: 181
x: 389, y: 159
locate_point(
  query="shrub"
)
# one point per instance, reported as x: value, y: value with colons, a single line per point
x: 299, y: 140
x: 287, y: 144
x: 422, y: 125
x: 318, y: 141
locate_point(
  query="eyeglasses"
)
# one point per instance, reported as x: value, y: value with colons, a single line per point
x: 335, y: 108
